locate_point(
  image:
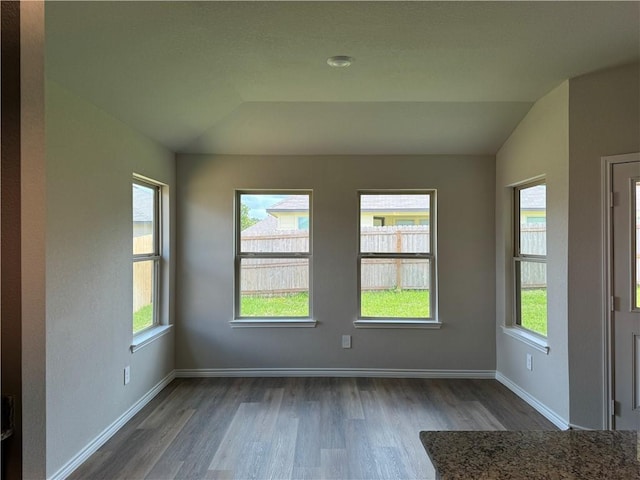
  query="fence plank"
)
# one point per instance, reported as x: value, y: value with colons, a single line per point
x: 142, y: 274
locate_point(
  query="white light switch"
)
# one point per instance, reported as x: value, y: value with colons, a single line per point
x: 127, y: 374
x: 346, y: 341
x: 529, y: 361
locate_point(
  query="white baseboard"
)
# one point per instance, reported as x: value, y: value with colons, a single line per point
x: 545, y: 411
x: 106, y: 434
x: 101, y: 439
x: 332, y: 372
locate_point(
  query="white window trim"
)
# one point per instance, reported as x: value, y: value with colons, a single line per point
x: 515, y: 329
x: 431, y: 322
x: 246, y: 322
x: 148, y: 336
x: 263, y: 322
x: 399, y: 323
x: 161, y: 325
x: 528, y: 337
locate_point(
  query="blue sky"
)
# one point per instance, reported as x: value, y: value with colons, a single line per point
x: 258, y: 203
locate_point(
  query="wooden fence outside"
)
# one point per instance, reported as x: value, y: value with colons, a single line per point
x: 142, y: 274
x: 279, y: 276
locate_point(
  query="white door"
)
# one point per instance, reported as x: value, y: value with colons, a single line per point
x: 626, y: 292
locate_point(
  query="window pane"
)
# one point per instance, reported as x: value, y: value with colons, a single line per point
x: 637, y: 230
x: 395, y: 288
x: 143, y: 218
x: 274, y: 287
x: 533, y: 220
x: 394, y: 223
x: 532, y: 295
x: 274, y: 223
x: 143, y: 288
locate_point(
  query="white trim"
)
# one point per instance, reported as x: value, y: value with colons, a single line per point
x: 607, y: 291
x: 534, y: 341
x: 545, y: 411
x: 148, y: 336
x: 397, y: 324
x: 272, y: 322
x: 573, y: 426
x: 111, y: 430
x: 332, y: 372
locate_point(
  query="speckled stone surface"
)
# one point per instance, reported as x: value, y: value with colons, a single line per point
x: 552, y: 455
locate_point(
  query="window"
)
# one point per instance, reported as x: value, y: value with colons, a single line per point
x: 636, y: 241
x: 397, y: 263
x: 405, y: 221
x: 530, y: 257
x: 303, y: 223
x: 273, y: 264
x: 147, y: 244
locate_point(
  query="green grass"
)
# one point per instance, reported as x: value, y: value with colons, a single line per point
x: 533, y: 310
x: 291, y: 305
x: 384, y: 304
x: 395, y: 304
x: 143, y: 318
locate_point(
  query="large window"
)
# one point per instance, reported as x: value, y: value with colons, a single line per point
x: 147, y: 244
x: 396, y: 257
x: 530, y: 256
x: 273, y: 254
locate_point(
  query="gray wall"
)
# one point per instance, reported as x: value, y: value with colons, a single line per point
x: 90, y: 161
x: 466, y: 256
x: 538, y: 146
x: 604, y: 120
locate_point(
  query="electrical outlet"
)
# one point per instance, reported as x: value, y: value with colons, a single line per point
x: 529, y: 362
x: 346, y: 341
x: 127, y: 374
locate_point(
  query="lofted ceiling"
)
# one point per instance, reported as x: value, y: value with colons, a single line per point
x: 252, y: 77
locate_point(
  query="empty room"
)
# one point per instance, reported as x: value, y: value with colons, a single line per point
x: 320, y: 240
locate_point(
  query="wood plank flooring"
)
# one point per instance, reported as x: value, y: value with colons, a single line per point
x: 301, y: 428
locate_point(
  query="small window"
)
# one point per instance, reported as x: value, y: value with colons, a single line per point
x: 378, y: 221
x: 530, y: 257
x: 273, y: 264
x: 146, y: 255
x: 405, y: 221
x: 397, y: 264
x: 303, y: 223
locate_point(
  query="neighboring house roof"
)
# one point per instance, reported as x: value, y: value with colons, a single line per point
x: 142, y: 204
x: 370, y: 203
x: 384, y: 203
x: 534, y: 198
x: 267, y: 225
x: 292, y: 203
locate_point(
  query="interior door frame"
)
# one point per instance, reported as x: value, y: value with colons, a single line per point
x: 607, y: 270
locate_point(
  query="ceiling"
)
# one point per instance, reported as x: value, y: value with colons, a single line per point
x: 252, y: 77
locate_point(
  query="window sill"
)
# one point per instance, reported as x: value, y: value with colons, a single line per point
x: 146, y: 337
x: 272, y: 322
x: 534, y: 341
x: 427, y: 324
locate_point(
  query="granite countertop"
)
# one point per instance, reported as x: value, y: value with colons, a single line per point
x: 501, y: 455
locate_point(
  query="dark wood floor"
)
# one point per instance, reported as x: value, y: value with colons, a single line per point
x: 302, y: 428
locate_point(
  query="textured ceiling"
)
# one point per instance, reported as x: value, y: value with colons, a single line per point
x: 252, y: 78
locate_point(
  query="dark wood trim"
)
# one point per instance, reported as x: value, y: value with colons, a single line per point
x: 10, y: 236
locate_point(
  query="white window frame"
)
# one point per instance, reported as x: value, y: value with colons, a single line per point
x: 430, y: 322
x: 519, y: 257
x: 238, y: 319
x: 155, y: 255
